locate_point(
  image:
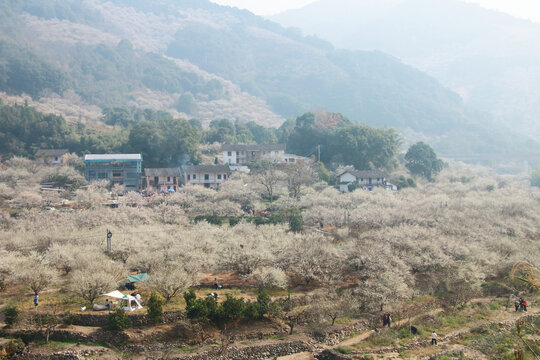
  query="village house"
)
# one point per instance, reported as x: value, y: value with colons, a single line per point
x: 121, y: 169
x: 206, y: 175
x: 367, y: 179
x: 162, y: 179
x: 240, y: 154
x: 52, y: 156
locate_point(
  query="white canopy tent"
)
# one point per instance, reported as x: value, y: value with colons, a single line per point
x: 131, y: 303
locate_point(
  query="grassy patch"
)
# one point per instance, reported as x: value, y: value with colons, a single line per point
x: 343, y: 350
x: 453, y: 320
x: 343, y: 320
x: 495, y: 305
x: 186, y: 349
x: 276, y: 337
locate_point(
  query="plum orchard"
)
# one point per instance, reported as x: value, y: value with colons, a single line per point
x: 444, y: 237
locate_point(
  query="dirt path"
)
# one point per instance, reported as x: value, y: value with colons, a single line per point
x: 363, y: 336
x: 445, y: 346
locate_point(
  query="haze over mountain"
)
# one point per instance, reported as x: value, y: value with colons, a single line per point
x: 490, y: 58
x: 198, y: 59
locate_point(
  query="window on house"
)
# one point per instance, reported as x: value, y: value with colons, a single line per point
x: 174, y: 179
x: 168, y: 179
x: 156, y: 180
x: 56, y: 158
x: 188, y: 177
x: 224, y: 177
x: 229, y: 153
x: 194, y: 176
x: 206, y: 176
x: 219, y: 177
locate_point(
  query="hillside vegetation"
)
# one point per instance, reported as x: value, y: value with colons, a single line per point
x: 490, y: 58
x: 200, y: 60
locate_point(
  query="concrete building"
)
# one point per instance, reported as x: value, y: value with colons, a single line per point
x: 52, y: 156
x: 122, y: 169
x: 239, y: 154
x: 162, y: 179
x: 206, y: 175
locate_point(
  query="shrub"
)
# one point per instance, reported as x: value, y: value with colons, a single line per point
x: 263, y: 299
x: 155, y: 308
x: 233, y: 308
x: 234, y: 221
x: 189, y: 297
x: 496, y: 305
x: 296, y: 223
x: 11, y: 315
x: 3, y: 285
x: 118, y: 320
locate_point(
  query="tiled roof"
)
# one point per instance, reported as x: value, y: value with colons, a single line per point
x: 213, y: 169
x: 366, y: 174
x: 260, y: 147
x: 162, y: 172
x: 112, y: 157
x: 51, y: 152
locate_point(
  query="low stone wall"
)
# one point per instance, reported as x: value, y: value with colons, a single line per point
x: 65, y: 355
x: 335, y: 335
x: 330, y: 355
x: 253, y: 352
x: 102, y: 336
x: 232, y: 353
x: 137, y: 320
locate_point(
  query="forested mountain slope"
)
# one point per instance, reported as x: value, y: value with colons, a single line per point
x: 491, y: 59
x: 198, y: 59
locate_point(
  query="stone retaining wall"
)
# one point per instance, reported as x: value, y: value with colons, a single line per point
x: 335, y: 335
x: 253, y: 352
x: 137, y: 320
x: 330, y: 355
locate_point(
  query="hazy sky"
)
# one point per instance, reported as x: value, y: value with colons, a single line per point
x: 529, y: 9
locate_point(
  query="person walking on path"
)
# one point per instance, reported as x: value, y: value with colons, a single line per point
x: 36, y: 300
x: 516, y: 305
x: 433, y: 338
x: 388, y: 319
x: 524, y: 305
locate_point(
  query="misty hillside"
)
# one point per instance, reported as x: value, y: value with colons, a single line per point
x: 201, y: 60
x: 491, y: 59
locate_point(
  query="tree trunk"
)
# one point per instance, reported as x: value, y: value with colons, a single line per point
x: 291, y: 325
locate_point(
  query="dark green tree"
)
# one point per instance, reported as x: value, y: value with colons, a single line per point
x: 118, y: 320
x: 119, y: 115
x: 422, y: 160
x: 155, y: 308
x: 296, y: 223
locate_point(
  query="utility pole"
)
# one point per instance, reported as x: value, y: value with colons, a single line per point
x: 319, y: 153
x: 109, y: 240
